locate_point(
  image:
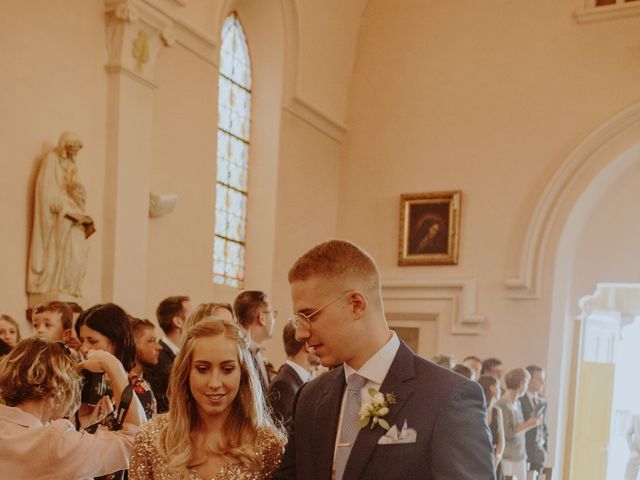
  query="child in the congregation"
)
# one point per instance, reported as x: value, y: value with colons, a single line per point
x: 9, y: 330
x: 53, y: 321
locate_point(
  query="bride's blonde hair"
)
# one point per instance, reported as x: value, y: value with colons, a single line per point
x: 248, y: 410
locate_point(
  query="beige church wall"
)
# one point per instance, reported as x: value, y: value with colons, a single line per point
x: 53, y: 79
x: 487, y: 99
x: 183, y: 162
x: 328, y: 32
x: 307, y: 208
x: 185, y: 116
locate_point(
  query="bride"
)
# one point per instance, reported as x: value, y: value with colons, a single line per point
x: 217, y: 426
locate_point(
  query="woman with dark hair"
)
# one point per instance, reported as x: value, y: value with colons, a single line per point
x: 218, y: 426
x: 491, y: 388
x: 107, y: 327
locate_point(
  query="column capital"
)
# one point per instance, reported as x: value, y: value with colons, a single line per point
x: 136, y: 32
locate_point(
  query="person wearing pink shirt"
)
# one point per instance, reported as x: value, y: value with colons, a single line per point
x: 40, y: 386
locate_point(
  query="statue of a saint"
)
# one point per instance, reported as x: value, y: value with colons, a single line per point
x: 58, y: 257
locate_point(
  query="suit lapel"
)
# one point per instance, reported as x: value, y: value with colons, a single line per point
x: 292, y: 375
x: 326, y: 423
x: 396, y: 382
x: 527, y: 406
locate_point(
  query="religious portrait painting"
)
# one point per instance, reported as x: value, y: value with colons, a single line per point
x: 429, y: 228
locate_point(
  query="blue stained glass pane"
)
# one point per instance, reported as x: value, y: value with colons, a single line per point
x: 222, y: 223
x: 226, y: 62
x: 234, y: 227
x: 221, y: 198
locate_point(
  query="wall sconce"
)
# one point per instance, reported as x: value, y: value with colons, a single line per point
x: 161, y: 204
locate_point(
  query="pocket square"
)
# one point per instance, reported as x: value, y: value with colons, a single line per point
x: 393, y: 437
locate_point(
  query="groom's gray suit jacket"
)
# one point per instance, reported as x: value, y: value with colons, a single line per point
x: 446, y: 410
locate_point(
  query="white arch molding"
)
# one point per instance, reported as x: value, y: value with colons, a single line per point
x: 575, y: 190
x: 586, y: 159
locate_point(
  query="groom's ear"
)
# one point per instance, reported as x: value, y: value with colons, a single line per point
x: 358, y: 303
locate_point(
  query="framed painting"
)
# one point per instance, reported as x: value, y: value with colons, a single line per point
x: 429, y: 228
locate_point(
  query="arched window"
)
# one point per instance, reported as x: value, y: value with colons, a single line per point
x: 234, y: 120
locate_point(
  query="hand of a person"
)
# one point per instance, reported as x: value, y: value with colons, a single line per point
x: 534, y: 421
x: 91, y: 414
x: 97, y: 361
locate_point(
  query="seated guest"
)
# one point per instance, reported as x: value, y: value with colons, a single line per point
x: 295, y: 371
x: 9, y: 330
x: 171, y: 314
x: 491, y: 388
x: 147, y: 350
x: 492, y: 367
x: 465, y: 371
x: 53, y: 321
x: 475, y: 364
x: 39, y: 385
x: 217, y: 426
x: 514, y: 458
x: 210, y: 311
x: 258, y: 318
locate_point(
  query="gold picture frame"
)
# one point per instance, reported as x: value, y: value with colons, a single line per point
x: 429, y: 228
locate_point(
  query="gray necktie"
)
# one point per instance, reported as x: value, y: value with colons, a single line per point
x: 350, y: 417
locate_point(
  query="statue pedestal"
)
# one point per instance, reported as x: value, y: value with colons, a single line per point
x: 36, y: 299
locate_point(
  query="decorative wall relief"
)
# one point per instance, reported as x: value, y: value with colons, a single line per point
x: 141, y: 50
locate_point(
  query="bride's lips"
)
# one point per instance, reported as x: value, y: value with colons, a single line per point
x: 215, y: 398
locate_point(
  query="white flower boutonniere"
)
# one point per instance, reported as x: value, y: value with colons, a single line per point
x: 372, y: 411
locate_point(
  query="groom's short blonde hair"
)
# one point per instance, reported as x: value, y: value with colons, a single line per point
x: 336, y: 259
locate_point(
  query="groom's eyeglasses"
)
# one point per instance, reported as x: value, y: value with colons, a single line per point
x: 304, y: 319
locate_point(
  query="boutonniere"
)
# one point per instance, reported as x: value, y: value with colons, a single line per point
x: 376, y: 407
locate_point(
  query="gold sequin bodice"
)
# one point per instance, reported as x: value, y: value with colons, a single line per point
x: 148, y: 464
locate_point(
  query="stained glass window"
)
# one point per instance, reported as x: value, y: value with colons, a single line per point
x: 234, y: 121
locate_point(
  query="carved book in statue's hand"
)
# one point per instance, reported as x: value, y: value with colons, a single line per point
x: 85, y: 220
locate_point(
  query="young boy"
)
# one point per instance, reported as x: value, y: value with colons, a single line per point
x: 147, y: 351
x: 53, y: 321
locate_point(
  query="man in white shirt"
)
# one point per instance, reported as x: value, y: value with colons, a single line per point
x: 633, y: 441
x: 295, y: 371
x: 382, y: 412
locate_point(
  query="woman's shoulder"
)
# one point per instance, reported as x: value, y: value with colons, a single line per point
x: 150, y: 430
x: 270, y: 444
x: 269, y: 439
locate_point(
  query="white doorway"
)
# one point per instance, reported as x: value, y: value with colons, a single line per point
x: 608, y: 390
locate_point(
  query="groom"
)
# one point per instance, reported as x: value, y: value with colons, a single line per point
x: 436, y: 418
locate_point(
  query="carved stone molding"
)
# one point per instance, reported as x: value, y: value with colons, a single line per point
x: 526, y: 284
x: 130, y: 21
x: 460, y: 292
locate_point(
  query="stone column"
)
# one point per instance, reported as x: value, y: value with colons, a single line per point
x: 136, y: 32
